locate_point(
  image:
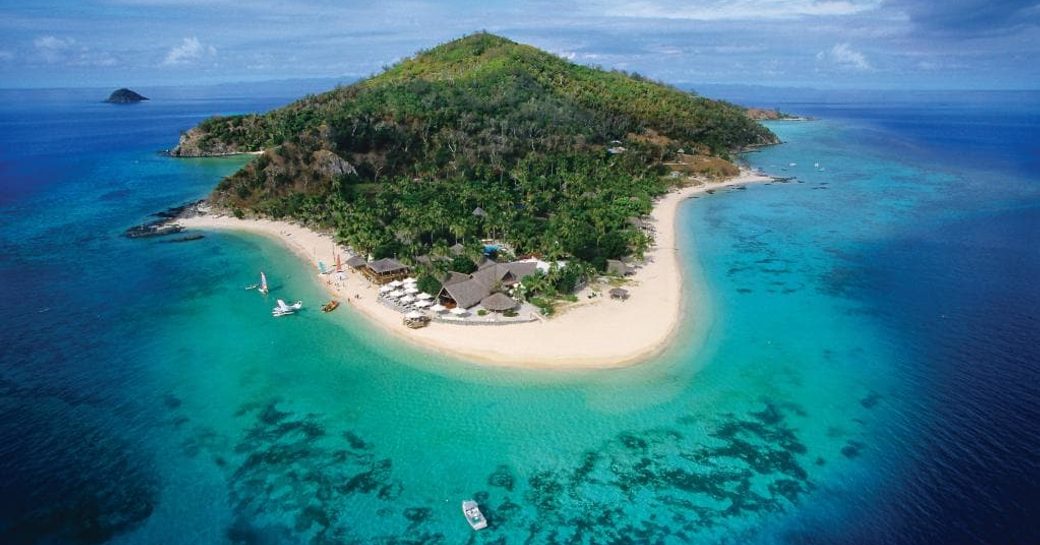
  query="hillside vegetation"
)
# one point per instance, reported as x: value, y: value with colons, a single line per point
x: 558, y: 156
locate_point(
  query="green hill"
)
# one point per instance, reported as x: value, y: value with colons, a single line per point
x: 397, y: 163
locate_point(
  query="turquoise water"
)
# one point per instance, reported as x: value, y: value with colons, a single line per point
x: 147, y: 398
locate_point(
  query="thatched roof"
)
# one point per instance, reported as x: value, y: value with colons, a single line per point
x: 468, y: 290
x: 454, y: 278
x: 386, y: 266
x: 466, y: 293
x: 505, y: 273
x: 457, y: 249
x: 479, y: 212
x: 498, y: 302
x: 356, y: 261
x: 619, y: 293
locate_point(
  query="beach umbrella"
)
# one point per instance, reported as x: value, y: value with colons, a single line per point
x: 395, y: 294
x: 411, y: 291
x: 414, y: 315
x: 410, y: 280
x: 423, y: 304
x: 395, y: 284
x: 385, y: 289
x: 459, y: 311
x: 407, y: 299
x: 438, y: 308
x: 424, y: 296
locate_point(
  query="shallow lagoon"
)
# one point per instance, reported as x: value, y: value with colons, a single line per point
x: 148, y: 398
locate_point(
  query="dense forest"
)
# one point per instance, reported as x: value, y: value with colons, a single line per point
x: 477, y: 138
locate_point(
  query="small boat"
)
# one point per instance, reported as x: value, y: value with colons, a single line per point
x: 263, y: 283
x: 330, y: 306
x: 473, y: 515
x: 283, y: 309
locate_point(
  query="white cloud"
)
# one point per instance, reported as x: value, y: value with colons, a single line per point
x: 720, y: 10
x: 52, y: 48
x: 844, y: 57
x: 6, y: 55
x: 189, y: 51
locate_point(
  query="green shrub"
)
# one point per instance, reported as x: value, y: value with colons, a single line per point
x: 463, y: 264
x: 428, y: 284
x: 545, y: 306
x: 481, y: 312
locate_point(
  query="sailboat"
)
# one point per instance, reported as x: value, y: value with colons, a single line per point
x: 283, y: 309
x: 261, y: 287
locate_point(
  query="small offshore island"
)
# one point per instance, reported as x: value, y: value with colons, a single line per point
x: 125, y: 96
x: 511, y: 186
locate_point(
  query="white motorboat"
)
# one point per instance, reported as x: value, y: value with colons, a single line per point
x: 283, y: 309
x: 473, y: 515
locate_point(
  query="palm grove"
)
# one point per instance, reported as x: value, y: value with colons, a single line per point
x: 397, y: 164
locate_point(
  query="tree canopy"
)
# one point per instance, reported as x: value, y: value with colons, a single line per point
x: 558, y: 156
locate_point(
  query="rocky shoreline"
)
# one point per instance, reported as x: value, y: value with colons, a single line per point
x: 164, y: 225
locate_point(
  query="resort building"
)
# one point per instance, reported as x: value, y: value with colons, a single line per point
x: 462, y: 290
x: 385, y: 270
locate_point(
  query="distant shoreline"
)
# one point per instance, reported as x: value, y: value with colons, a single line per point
x: 592, y: 333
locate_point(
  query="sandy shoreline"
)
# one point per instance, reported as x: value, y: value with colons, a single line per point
x: 596, y: 333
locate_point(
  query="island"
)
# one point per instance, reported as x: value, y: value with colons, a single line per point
x: 487, y: 183
x: 124, y: 96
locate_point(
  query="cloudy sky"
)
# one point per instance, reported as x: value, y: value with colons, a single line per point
x: 951, y: 44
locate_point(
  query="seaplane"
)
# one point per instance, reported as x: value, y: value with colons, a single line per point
x: 283, y: 309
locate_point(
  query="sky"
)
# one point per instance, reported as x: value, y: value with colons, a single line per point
x: 858, y: 44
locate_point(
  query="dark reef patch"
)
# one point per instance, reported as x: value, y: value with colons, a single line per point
x: 871, y: 400
x: 292, y: 481
x: 502, y: 478
x: 852, y: 449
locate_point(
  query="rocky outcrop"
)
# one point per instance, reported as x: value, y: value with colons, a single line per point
x: 199, y: 143
x: 165, y: 224
x: 125, y: 96
x: 330, y: 164
x: 766, y: 114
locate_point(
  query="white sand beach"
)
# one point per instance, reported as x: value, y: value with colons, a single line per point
x: 597, y: 332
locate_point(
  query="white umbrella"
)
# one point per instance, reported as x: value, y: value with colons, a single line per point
x: 385, y: 289
x: 407, y: 299
x: 395, y: 284
x: 423, y: 304
x: 411, y: 291
x: 415, y: 314
x: 458, y: 311
x: 410, y: 280
x: 438, y: 308
x: 395, y: 294
x: 424, y: 296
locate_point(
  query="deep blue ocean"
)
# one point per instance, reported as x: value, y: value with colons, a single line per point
x: 869, y: 374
